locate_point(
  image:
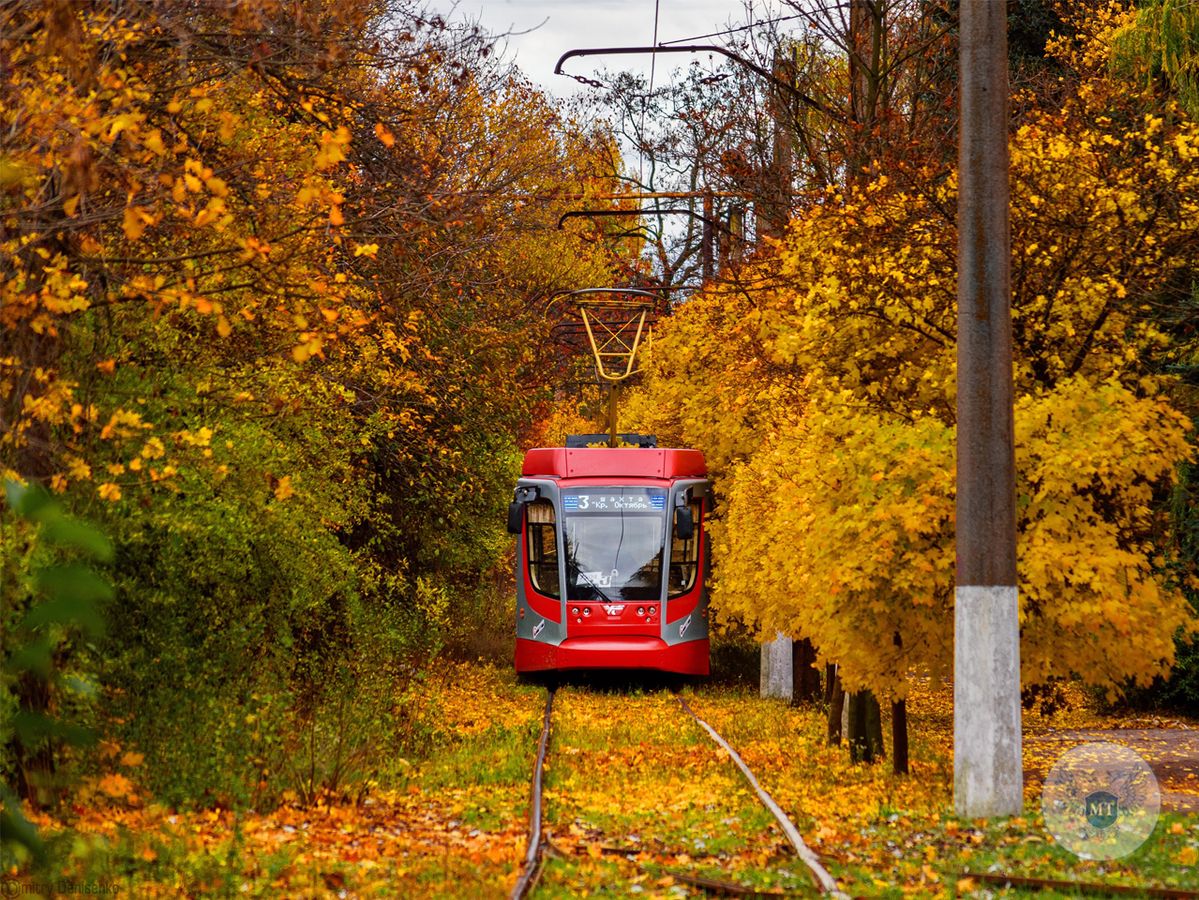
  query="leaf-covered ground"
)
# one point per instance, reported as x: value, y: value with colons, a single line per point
x: 639, y: 801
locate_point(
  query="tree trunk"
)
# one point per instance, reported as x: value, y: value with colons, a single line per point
x: 859, y: 749
x: 805, y: 679
x: 35, y: 762
x: 899, y: 737
x: 836, y: 705
x: 874, y: 727
x: 865, y: 728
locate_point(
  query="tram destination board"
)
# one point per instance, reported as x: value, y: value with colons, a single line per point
x: 613, y: 500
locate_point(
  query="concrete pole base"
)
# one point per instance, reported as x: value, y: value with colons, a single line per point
x: 988, y: 772
x: 775, y: 673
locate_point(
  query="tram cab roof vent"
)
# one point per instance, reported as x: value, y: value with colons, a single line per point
x: 642, y: 441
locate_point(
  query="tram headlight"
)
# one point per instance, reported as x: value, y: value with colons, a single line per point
x: 641, y: 610
x: 574, y: 610
x: 652, y: 610
x: 586, y: 610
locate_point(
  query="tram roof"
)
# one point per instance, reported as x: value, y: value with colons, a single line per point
x: 608, y: 462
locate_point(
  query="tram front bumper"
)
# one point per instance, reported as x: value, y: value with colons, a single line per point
x: 687, y: 658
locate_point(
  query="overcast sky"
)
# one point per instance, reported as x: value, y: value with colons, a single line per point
x: 591, y: 23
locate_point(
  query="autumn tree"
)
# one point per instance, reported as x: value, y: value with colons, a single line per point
x: 268, y: 274
x: 1161, y: 46
x: 839, y: 527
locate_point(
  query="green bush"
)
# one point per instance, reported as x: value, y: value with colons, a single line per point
x: 287, y: 559
x: 258, y: 622
x: 1180, y: 691
x: 52, y: 608
x: 735, y: 655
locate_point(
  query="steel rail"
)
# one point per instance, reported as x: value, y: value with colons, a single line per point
x: 824, y: 881
x: 531, y: 867
x: 1082, y: 887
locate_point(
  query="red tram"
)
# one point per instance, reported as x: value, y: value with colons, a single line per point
x: 611, y: 558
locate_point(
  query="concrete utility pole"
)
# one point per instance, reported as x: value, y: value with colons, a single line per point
x: 773, y: 210
x: 774, y: 204
x: 707, y: 239
x: 987, y: 770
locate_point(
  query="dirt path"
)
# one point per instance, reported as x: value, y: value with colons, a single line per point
x: 1172, y: 753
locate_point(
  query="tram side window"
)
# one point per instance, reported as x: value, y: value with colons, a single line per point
x: 684, y: 556
x: 543, y: 548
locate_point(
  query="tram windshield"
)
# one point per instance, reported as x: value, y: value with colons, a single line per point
x: 614, y: 538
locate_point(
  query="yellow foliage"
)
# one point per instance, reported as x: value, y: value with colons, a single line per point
x: 839, y: 556
x: 384, y: 135
x: 115, y: 785
x: 284, y: 490
x: 333, y: 147
x: 156, y: 188
x: 710, y: 382
x: 561, y: 421
x: 153, y: 449
x: 824, y: 397
x: 864, y: 565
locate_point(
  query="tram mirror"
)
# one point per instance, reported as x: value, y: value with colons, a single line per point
x: 515, y: 511
x: 684, y: 525
x: 516, y: 507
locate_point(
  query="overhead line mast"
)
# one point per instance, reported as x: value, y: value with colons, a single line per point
x: 988, y: 778
x: 692, y: 48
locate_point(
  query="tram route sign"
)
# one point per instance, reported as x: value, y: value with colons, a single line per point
x: 601, y: 502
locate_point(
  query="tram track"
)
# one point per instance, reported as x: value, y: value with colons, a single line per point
x: 534, y: 854
x: 538, y: 846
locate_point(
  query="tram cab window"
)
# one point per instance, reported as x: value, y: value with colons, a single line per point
x: 684, y: 556
x: 543, y: 548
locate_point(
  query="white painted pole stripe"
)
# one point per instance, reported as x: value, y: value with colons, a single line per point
x: 825, y: 881
x: 988, y: 770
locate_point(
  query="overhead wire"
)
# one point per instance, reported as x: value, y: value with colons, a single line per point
x: 697, y: 37
x: 653, y: 58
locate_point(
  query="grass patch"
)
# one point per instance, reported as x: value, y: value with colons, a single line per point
x: 634, y: 778
x: 883, y: 835
x: 636, y: 793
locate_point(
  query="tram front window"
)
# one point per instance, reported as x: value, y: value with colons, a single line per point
x: 614, y: 539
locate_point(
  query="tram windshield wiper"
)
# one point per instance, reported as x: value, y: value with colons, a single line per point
x: 580, y: 574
